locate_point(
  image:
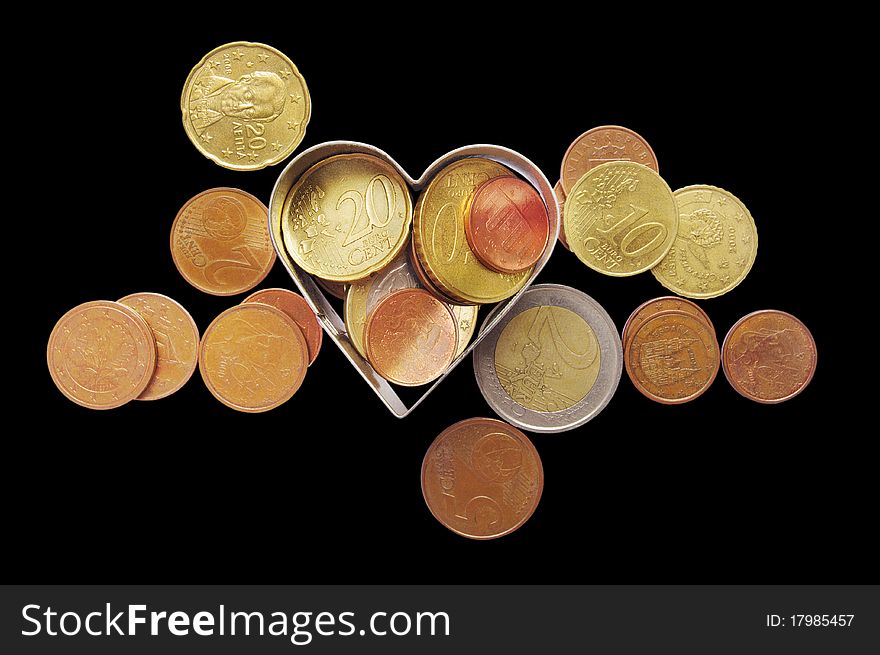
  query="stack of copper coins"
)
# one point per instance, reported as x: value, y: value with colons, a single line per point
x: 412, y: 276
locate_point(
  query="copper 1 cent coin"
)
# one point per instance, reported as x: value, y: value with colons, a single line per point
x: 253, y: 357
x: 411, y: 337
x: 601, y: 145
x: 220, y: 241
x: 663, y: 304
x: 560, y: 200
x: 101, y: 354
x: 296, y: 307
x: 506, y: 224
x: 482, y: 478
x: 672, y: 357
x: 769, y: 356
x: 177, y: 342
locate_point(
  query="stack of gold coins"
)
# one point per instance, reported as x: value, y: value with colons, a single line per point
x: 413, y: 276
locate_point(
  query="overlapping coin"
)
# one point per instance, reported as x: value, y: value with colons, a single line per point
x: 601, y: 145
x: 296, y: 307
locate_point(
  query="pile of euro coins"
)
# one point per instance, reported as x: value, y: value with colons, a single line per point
x: 413, y: 275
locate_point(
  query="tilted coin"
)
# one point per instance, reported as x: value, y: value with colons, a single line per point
x: 600, y: 145
x: 245, y: 106
x: 769, y: 356
x: 177, y: 342
x: 355, y: 313
x: 466, y: 323
x: 716, y: 244
x: 335, y: 289
x: 253, y: 357
x: 560, y: 200
x: 507, y: 225
x: 296, y: 307
x: 672, y: 357
x: 663, y: 304
x: 620, y: 218
x: 346, y: 217
x: 552, y: 362
x: 439, y: 236
x: 482, y: 478
x: 411, y: 337
x: 220, y: 241
x: 101, y: 354
x: 424, y: 280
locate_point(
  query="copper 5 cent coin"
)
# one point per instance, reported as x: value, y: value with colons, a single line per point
x: 296, y: 307
x: 663, y: 304
x: 601, y: 145
x: 769, y: 356
x: 672, y: 357
x: 411, y: 337
x: 177, y: 342
x: 506, y: 224
x: 253, y: 357
x: 482, y: 478
x: 101, y: 354
x: 220, y: 241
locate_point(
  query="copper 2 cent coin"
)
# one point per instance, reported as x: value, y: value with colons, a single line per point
x: 672, y: 357
x: 663, y: 304
x: 769, y: 356
x: 296, y: 307
x: 482, y: 478
x: 601, y: 145
x: 507, y: 225
x: 411, y: 337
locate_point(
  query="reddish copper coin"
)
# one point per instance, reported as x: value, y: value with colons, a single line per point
x: 663, y: 304
x: 560, y: 200
x: 672, y: 357
x: 482, y: 478
x: 335, y: 289
x: 507, y: 225
x: 601, y: 145
x: 769, y: 356
x: 296, y: 307
x: 410, y: 337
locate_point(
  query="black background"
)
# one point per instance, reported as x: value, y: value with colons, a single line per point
x: 326, y: 487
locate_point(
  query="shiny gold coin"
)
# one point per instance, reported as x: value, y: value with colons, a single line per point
x: 177, y: 342
x: 620, y: 218
x: 245, y: 106
x: 439, y: 236
x: 355, y: 313
x: 347, y: 217
x: 101, y: 354
x: 716, y: 244
x: 466, y: 321
x: 253, y: 357
x: 220, y: 241
x: 553, y: 345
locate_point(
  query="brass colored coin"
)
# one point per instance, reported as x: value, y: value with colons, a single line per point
x: 355, y: 313
x: 560, y: 200
x: 716, y: 244
x: 335, y: 289
x: 552, y: 344
x: 439, y: 236
x: 672, y: 357
x: 245, y: 106
x: 663, y: 304
x: 220, y: 241
x: 411, y: 337
x: 296, y: 307
x: 482, y: 478
x: 253, y: 357
x: 600, y: 145
x: 101, y: 354
x: 177, y: 342
x: 620, y: 218
x: 466, y: 322
x: 346, y: 217
x: 769, y: 356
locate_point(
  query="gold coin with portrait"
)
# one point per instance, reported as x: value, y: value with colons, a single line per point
x: 245, y: 106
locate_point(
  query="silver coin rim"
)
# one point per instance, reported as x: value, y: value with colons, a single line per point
x: 610, y: 368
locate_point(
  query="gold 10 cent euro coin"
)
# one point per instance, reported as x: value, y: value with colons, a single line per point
x: 715, y: 247
x: 346, y: 217
x: 620, y: 218
x: 245, y: 106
